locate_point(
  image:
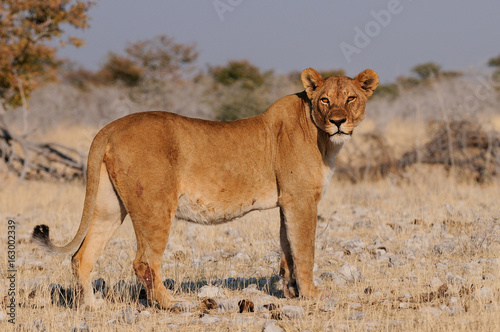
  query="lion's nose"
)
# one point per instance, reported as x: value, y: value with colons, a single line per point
x: 338, y: 123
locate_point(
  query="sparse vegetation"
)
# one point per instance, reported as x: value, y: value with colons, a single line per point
x: 240, y: 90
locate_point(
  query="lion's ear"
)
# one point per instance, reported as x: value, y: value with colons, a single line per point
x: 367, y: 81
x: 311, y: 80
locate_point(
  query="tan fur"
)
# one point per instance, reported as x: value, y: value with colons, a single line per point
x: 156, y: 166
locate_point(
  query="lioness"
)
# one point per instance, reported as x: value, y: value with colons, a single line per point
x: 156, y: 166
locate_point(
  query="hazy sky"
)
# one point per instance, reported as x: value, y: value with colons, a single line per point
x: 388, y: 36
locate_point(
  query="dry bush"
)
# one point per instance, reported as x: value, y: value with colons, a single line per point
x: 369, y: 157
x: 461, y: 145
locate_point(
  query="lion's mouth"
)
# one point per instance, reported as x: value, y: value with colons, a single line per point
x: 340, y: 133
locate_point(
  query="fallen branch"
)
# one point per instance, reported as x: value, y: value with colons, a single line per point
x: 32, y: 160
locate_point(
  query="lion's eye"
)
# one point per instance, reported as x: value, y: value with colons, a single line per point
x: 351, y: 98
x: 325, y: 100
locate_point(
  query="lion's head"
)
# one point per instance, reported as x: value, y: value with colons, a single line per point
x: 338, y: 102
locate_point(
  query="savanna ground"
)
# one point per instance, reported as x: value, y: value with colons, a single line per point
x: 417, y: 249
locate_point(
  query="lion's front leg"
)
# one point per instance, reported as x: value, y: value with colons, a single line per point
x: 286, y: 267
x: 297, y: 235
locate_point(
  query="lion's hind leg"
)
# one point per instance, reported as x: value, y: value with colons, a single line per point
x: 108, y: 215
x: 152, y: 236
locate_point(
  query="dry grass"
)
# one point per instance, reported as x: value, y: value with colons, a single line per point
x: 430, y: 208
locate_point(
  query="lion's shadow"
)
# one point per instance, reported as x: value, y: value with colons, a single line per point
x: 134, y: 291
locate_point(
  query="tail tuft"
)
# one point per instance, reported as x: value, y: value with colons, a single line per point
x: 41, y: 235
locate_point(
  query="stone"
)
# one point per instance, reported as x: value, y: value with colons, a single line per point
x: 444, y: 308
x: 82, y: 327
x: 335, y: 277
x: 210, y: 292
x: 362, y: 224
x: 355, y: 306
x: 292, y: 312
x: 350, y: 273
x: 240, y: 257
x: 454, y: 279
x: 394, y: 260
x: 330, y: 306
x: 272, y: 257
x: 455, y: 306
x: 488, y: 276
x: 184, y: 306
x: 36, y: 325
x: 251, y: 289
x: 271, y: 327
x: 337, y: 255
x: 404, y: 305
x: 436, y: 282
x: 430, y: 311
x: 317, y: 281
x: 127, y: 315
x: 144, y: 314
x: 356, y: 315
x: 228, y: 305
x: 355, y: 246
x: 209, y: 319
x: 444, y: 248
x: 485, y: 293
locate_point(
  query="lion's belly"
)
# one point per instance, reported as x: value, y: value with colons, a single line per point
x: 204, y: 210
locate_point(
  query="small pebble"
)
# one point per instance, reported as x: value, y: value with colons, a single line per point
x: 127, y: 315
x: 356, y: 315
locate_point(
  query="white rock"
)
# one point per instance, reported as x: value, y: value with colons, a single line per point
x: 355, y: 246
x: 488, y: 276
x: 292, y: 312
x: 444, y: 308
x: 356, y: 315
x: 350, y: 273
x: 337, y: 255
x: 271, y: 327
x: 355, y: 306
x: 82, y: 327
x: 317, y: 281
x: 485, y: 293
x: 330, y: 306
x: 252, y: 289
x: 240, y: 257
x: 454, y: 279
x: 404, y: 305
x: 436, y: 282
x: 209, y: 291
x: 127, y: 315
x: 144, y: 314
x: 209, y: 319
x: 227, y: 305
x: 185, y: 306
x: 430, y: 311
x: 335, y: 277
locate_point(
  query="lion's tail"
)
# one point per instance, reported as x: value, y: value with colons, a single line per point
x: 41, y: 232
